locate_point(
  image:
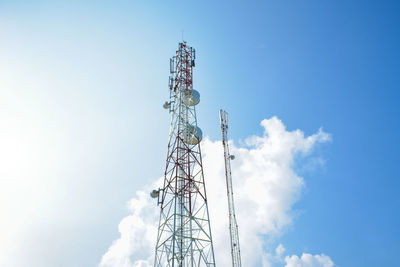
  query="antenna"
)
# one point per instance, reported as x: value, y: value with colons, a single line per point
x: 233, y: 227
x: 184, y: 232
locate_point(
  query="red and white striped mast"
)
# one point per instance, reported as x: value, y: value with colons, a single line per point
x: 184, y: 233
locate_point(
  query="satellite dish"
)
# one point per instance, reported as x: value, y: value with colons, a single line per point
x: 232, y: 157
x: 192, y: 135
x: 167, y: 105
x: 154, y: 193
x: 190, y: 97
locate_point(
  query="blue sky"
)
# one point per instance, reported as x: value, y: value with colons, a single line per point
x: 82, y: 84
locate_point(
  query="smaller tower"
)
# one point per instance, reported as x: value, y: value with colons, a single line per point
x: 233, y: 227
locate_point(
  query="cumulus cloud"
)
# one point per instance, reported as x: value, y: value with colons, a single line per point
x: 280, y: 249
x: 308, y: 260
x: 138, y: 233
x: 265, y: 188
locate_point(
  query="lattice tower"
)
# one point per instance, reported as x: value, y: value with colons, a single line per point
x: 184, y: 232
x: 233, y: 226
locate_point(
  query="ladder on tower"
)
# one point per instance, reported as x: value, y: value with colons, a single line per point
x: 233, y: 227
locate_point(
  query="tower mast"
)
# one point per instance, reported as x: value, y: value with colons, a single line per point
x: 233, y: 227
x: 184, y: 233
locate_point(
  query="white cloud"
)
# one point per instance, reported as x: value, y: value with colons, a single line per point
x: 280, y: 249
x: 265, y: 188
x: 308, y: 260
x: 138, y: 233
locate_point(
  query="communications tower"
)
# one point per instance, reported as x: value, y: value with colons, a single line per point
x: 184, y: 233
x: 233, y: 227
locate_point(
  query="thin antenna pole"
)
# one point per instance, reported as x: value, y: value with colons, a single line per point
x: 233, y: 226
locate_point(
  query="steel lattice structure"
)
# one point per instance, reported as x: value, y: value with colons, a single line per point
x: 184, y: 233
x: 233, y: 227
